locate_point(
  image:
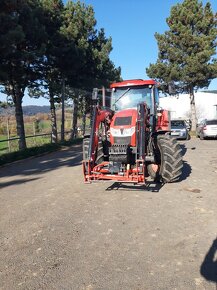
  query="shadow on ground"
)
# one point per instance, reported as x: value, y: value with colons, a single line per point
x: 38, y: 165
x: 186, y: 171
x: 16, y: 182
x: 184, y: 149
x: 150, y: 186
x: 208, y: 268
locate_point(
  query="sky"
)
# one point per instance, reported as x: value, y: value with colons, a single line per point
x: 131, y: 25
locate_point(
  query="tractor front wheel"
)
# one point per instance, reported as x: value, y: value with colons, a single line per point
x: 86, y: 142
x: 100, y: 153
x: 168, y: 167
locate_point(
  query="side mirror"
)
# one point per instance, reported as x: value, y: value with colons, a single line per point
x: 159, y: 111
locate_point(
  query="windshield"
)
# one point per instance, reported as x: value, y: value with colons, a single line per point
x: 211, y: 122
x: 178, y: 123
x: 125, y: 98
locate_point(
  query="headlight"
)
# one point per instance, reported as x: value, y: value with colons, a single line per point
x: 122, y: 132
x: 129, y: 131
x: 115, y: 132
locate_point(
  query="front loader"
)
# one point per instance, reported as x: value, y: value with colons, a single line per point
x: 130, y: 137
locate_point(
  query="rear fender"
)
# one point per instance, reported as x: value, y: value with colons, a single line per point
x: 163, y: 121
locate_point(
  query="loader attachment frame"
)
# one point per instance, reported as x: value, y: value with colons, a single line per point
x: 102, y: 171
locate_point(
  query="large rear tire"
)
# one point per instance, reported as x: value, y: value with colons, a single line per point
x: 168, y: 167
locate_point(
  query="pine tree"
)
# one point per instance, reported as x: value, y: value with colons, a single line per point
x: 21, y: 39
x: 89, y: 65
x: 187, y: 50
x: 49, y: 85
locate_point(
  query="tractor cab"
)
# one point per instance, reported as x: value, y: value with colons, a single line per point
x: 128, y: 94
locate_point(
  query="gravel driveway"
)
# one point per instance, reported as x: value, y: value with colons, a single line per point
x: 58, y: 233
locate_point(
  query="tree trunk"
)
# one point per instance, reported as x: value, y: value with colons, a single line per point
x: 8, y: 134
x: 53, y: 118
x: 75, y: 120
x: 63, y: 112
x: 84, y: 117
x: 17, y: 98
x: 193, y: 109
x: 83, y: 124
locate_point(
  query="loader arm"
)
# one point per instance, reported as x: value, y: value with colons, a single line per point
x: 99, y: 117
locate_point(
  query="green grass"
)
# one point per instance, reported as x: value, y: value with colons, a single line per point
x: 35, y: 151
x: 30, y: 142
x: 38, y: 141
x: 3, y: 145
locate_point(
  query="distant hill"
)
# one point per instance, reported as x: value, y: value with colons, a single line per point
x: 210, y: 91
x: 33, y: 110
x: 27, y: 110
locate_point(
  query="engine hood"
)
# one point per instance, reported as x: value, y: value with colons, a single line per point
x: 123, y: 127
x: 124, y: 118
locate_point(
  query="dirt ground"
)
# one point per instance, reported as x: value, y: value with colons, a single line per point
x: 58, y: 233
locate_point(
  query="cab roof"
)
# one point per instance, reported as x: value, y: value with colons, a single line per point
x: 137, y: 82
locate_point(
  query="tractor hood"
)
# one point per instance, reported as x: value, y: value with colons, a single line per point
x: 123, y: 127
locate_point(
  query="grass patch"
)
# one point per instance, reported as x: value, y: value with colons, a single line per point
x: 34, y: 151
x: 30, y: 142
x: 3, y: 145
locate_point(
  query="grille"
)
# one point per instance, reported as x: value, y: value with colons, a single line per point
x: 122, y: 140
x: 121, y: 121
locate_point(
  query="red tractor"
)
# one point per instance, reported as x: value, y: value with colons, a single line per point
x: 130, y: 138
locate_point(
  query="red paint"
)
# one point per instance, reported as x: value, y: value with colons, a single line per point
x: 129, y: 83
x: 125, y: 113
x: 163, y: 121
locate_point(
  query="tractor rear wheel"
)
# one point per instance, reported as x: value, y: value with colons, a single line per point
x: 168, y: 167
